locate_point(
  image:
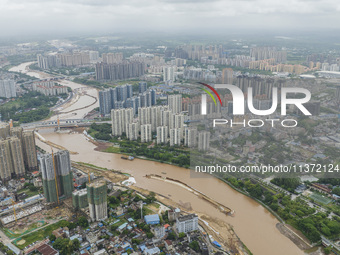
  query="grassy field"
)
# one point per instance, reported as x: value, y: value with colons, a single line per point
x: 27, y: 230
x: 112, y: 149
x: 28, y: 192
x: 320, y: 198
x: 39, y: 234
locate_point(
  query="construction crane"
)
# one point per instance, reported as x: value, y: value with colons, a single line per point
x: 15, y: 215
x: 55, y: 176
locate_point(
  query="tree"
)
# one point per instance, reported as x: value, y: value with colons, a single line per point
x: 195, y: 246
x: 75, y: 244
x: 52, y: 238
x: 83, y: 222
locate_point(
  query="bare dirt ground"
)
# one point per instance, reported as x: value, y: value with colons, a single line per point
x: 111, y: 175
x: 219, y: 230
x: 296, y: 237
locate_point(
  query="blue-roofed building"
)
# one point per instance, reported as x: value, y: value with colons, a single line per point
x: 216, y: 243
x: 142, y: 247
x: 152, y: 219
x: 121, y: 227
x: 152, y: 251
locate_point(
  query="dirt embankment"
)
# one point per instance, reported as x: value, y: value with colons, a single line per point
x: 297, y: 238
x: 221, y: 231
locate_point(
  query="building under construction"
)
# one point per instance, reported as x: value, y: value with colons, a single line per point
x: 56, y: 175
x: 79, y: 199
x: 97, y: 199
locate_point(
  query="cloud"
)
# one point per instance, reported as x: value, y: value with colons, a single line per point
x: 34, y: 16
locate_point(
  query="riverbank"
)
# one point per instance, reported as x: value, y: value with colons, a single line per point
x: 254, y: 225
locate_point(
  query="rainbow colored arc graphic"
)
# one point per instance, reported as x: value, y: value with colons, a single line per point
x: 209, y: 93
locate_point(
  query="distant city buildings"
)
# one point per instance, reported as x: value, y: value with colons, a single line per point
x: 67, y: 59
x: 7, y: 88
x: 119, y: 71
x: 122, y: 97
x: 203, y: 140
x: 175, y: 103
x: 227, y: 76
x: 49, y: 88
x: 169, y: 74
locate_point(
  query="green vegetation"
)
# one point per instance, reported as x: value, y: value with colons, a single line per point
x: 289, y: 184
x: 65, y: 246
x: 163, y: 153
x: 294, y: 212
x: 92, y: 83
x: 4, y: 249
x: 18, y: 59
x: 319, y: 198
x: 40, y: 234
x: 32, y: 106
x: 195, y: 246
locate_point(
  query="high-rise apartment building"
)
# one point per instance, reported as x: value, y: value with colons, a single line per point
x: 5, y: 130
x: 132, y: 131
x: 175, y: 103
x: 203, y: 140
x: 18, y: 166
x: 29, y: 150
x: 145, y: 133
x: 6, y: 166
x: 175, y: 136
x: 142, y: 86
x: 162, y: 134
x: 8, y: 88
x: 120, y: 118
x: 119, y: 71
x: 169, y: 73
x: 56, y: 176
x: 227, y: 76
x: 190, y: 137
x: 97, y: 199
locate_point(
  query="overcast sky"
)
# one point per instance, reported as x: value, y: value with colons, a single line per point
x: 45, y: 16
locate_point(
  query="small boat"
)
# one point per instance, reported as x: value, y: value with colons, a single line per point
x: 127, y: 158
x: 163, y: 172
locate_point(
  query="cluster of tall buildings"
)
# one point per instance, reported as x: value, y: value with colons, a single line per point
x: 122, y: 97
x: 330, y: 67
x: 165, y: 122
x: 56, y: 175
x: 7, y: 88
x: 49, y: 88
x: 67, y: 59
x: 160, y: 119
x: 17, y: 152
x: 94, y: 197
x: 119, y: 71
x: 196, y: 52
x: 237, y: 60
x: 261, y: 53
